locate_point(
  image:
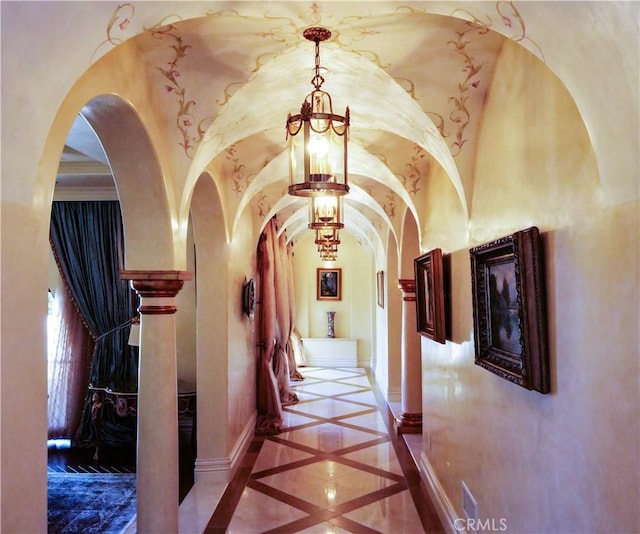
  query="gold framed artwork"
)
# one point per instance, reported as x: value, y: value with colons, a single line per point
x: 329, y: 284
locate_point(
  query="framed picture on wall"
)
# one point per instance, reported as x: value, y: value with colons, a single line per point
x: 380, y: 288
x: 329, y: 284
x: 430, y: 303
x: 509, y: 318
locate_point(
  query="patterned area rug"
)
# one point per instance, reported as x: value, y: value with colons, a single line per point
x: 91, y: 503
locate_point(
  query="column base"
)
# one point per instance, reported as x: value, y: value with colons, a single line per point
x: 408, y: 423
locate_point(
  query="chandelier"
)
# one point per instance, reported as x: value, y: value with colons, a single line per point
x: 327, y: 237
x: 325, y: 212
x: 327, y: 240
x: 318, y: 138
x: 328, y: 251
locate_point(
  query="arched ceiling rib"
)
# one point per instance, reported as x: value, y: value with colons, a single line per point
x: 361, y: 162
x: 376, y: 101
x: 355, y: 223
x: 357, y: 197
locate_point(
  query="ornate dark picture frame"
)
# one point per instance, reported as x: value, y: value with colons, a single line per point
x: 380, y: 288
x: 248, y: 297
x: 329, y: 284
x: 430, y: 296
x: 509, y: 315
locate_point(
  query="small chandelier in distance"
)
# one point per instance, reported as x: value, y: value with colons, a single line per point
x: 325, y: 212
x: 327, y: 240
x: 328, y: 251
x: 318, y: 156
x: 327, y: 237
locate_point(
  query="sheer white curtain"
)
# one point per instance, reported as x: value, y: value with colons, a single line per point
x: 69, y: 347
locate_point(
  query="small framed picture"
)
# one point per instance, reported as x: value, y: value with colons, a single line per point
x: 430, y: 303
x: 329, y: 284
x: 510, y: 331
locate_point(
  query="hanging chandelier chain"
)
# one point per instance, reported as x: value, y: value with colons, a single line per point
x: 317, y: 35
x: 317, y: 80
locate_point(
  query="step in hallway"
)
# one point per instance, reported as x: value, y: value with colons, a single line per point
x: 336, y: 467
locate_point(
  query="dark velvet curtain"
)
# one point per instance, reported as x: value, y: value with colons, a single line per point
x: 88, y: 243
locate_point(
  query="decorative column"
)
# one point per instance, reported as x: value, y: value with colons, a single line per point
x: 410, y: 420
x: 157, y: 455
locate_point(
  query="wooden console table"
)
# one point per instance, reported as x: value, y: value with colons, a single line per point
x: 330, y: 351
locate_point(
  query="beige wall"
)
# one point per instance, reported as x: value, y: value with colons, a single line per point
x: 242, y: 354
x: 567, y: 461
x: 186, y: 319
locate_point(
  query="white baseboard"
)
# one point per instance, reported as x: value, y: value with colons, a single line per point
x: 217, y: 470
x: 394, y: 393
x: 380, y: 379
x: 211, y: 478
x: 440, y: 499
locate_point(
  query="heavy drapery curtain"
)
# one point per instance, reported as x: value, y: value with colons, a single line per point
x: 88, y: 243
x: 275, y: 323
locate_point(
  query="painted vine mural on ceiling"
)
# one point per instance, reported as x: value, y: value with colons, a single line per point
x: 240, y: 181
x: 513, y: 24
x: 120, y: 20
x: 511, y: 19
x: 191, y: 129
x: 389, y: 204
x: 287, y: 32
x: 350, y: 34
x: 262, y: 207
x: 412, y: 179
x: 460, y: 115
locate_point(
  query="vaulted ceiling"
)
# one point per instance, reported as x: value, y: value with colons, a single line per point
x: 222, y: 82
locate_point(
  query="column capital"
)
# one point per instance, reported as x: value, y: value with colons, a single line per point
x: 156, y: 284
x: 408, y: 287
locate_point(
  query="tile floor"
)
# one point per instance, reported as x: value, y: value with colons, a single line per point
x: 334, y: 468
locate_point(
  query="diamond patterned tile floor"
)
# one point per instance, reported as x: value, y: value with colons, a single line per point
x: 334, y: 468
